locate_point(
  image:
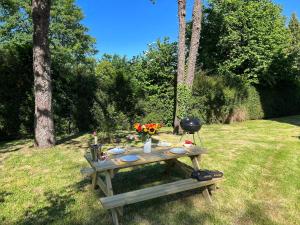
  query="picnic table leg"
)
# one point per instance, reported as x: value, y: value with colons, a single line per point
x: 196, y: 165
x: 196, y: 162
x: 169, y: 166
x: 111, y: 193
x: 206, y: 195
x: 94, y: 180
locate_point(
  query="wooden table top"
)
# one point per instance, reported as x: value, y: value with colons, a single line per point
x: 158, y: 154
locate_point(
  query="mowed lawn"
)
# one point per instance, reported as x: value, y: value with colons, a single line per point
x: 260, y: 159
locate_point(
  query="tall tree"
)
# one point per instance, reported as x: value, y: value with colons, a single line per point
x: 181, y: 60
x: 294, y: 28
x: 43, y: 122
x: 70, y: 47
x: 195, y: 40
x: 242, y: 39
x: 185, y: 81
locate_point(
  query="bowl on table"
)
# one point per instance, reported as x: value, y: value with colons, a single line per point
x: 116, y: 151
x: 178, y: 151
x: 163, y: 144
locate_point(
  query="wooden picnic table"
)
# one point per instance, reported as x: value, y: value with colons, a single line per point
x: 113, y: 164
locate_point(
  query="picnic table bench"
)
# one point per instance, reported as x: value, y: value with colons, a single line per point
x: 113, y: 164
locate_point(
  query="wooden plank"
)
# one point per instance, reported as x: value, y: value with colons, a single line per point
x: 154, y: 192
x: 206, y: 195
x: 111, y: 193
x: 114, y: 216
x: 102, y: 185
x: 195, y: 162
x: 120, y: 210
x: 108, y: 183
x: 87, y: 172
x: 112, y: 173
x: 94, y: 180
x: 149, y: 193
x: 157, y: 155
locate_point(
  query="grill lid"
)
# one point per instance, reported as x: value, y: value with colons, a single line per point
x: 190, y: 125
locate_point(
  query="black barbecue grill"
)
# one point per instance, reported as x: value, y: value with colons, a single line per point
x: 191, y: 126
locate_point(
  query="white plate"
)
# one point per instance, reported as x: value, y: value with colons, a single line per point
x: 163, y: 144
x: 178, y: 150
x: 116, y: 151
x: 129, y: 158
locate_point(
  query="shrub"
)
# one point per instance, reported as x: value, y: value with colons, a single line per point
x: 220, y: 100
x: 280, y: 100
x: 237, y: 114
x: 108, y: 119
x: 16, y: 94
x: 253, y: 104
x: 159, y: 109
x: 215, y: 98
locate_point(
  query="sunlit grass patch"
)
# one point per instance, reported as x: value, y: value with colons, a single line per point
x: 260, y: 159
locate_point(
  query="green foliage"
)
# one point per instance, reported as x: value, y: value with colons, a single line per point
x: 15, y: 22
x: 67, y: 35
x: 242, y: 43
x: 253, y: 105
x: 16, y: 99
x: 139, y: 90
x: 115, y: 104
x: 72, y: 69
x: 280, y: 100
x: 294, y: 28
x: 242, y: 39
x: 214, y: 98
x: 184, y: 96
x: 217, y: 99
x: 155, y: 72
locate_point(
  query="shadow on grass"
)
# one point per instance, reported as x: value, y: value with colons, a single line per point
x: 177, y: 209
x: 3, y: 195
x: 255, y: 214
x: 140, y: 177
x: 82, y: 185
x: 293, y: 120
x: 298, y: 137
x: 67, y: 139
x: 12, y: 146
x: 54, y: 211
x: 159, y: 210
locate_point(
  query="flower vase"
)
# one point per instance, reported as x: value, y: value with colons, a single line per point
x: 147, y: 145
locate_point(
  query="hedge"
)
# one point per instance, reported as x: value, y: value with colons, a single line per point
x: 217, y: 100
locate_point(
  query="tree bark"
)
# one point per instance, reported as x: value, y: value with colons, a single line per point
x: 43, y: 121
x: 181, y: 58
x: 195, y: 41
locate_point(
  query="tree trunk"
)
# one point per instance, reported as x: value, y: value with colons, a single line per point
x: 194, y: 45
x: 181, y: 58
x: 43, y: 121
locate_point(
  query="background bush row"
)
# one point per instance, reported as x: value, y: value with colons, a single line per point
x: 248, y: 68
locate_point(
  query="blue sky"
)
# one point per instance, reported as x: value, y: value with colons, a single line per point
x: 125, y: 27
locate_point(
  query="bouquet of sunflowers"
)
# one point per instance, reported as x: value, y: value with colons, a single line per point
x: 148, y: 129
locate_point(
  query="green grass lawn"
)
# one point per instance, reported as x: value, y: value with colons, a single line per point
x: 260, y: 159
